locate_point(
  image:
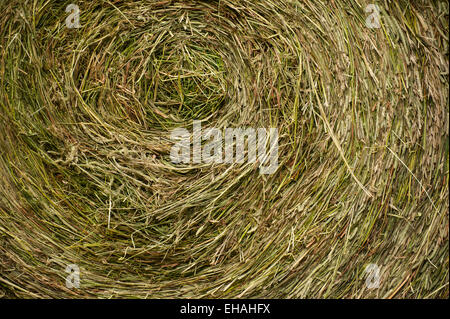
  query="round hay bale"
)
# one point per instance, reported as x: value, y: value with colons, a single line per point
x: 358, y: 204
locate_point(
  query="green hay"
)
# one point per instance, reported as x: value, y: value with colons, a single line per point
x: 86, y: 177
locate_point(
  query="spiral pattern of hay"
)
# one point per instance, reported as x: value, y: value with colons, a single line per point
x: 86, y: 178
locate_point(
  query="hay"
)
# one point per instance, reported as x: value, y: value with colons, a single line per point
x: 86, y: 178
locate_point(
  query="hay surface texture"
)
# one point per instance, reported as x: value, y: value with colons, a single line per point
x: 86, y: 176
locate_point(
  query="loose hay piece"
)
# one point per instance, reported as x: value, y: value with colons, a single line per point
x: 86, y: 177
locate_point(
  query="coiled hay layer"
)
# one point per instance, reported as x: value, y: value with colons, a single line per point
x: 86, y: 176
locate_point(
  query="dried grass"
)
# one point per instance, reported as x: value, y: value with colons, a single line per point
x: 86, y: 178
